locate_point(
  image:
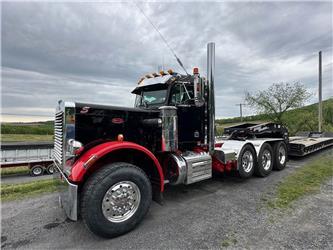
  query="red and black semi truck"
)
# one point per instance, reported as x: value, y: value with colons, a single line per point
x: 113, y: 161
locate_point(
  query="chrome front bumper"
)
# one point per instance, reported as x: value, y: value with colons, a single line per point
x: 68, y: 194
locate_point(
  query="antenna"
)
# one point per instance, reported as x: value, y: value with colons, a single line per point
x: 164, y: 40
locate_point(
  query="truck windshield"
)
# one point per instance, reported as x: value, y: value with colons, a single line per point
x: 148, y: 98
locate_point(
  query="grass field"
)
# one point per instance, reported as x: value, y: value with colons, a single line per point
x: 14, y: 171
x: 303, y: 181
x: 25, y: 137
x: 18, y: 191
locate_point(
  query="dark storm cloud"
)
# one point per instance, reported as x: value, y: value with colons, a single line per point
x: 95, y: 52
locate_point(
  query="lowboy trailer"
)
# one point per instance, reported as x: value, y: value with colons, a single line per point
x: 113, y: 161
x: 309, y: 142
x: 37, y: 156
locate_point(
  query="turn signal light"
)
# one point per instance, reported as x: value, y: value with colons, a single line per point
x: 162, y: 73
x: 140, y: 81
x: 170, y: 71
x: 120, y: 138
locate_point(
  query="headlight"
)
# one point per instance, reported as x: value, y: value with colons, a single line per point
x: 74, y: 147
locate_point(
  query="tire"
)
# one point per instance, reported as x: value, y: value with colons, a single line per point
x: 50, y: 169
x: 247, y: 161
x: 96, y: 210
x: 280, y: 155
x: 36, y: 170
x: 265, y: 161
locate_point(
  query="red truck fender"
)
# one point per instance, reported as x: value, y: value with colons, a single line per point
x: 80, y: 167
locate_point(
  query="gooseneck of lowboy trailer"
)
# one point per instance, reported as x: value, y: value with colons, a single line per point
x: 112, y: 161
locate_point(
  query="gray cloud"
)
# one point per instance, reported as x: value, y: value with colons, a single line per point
x: 96, y: 52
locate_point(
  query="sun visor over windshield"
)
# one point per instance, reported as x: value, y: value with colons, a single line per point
x: 152, y: 83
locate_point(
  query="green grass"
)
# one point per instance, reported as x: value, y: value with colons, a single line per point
x: 303, y: 181
x: 229, y: 241
x: 25, y: 137
x: 14, y: 170
x: 18, y: 191
x: 37, y: 128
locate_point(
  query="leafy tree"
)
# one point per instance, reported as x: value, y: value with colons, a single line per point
x: 277, y: 99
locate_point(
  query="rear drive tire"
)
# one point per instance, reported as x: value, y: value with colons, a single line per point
x: 247, y: 161
x: 36, y: 170
x: 265, y: 161
x: 280, y: 155
x: 115, y: 199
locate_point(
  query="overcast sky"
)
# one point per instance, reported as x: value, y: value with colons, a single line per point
x: 96, y: 52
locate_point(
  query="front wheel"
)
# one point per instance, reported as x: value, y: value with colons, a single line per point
x: 115, y: 199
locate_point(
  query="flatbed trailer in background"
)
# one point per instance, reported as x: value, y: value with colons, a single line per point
x: 37, y: 156
x: 305, y: 143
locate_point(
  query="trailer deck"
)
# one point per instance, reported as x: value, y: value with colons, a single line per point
x: 309, y: 142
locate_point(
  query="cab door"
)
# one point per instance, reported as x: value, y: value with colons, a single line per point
x: 190, y: 117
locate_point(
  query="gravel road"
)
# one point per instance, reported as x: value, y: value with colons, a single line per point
x: 223, y: 212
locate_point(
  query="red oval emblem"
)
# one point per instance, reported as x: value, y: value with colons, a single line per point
x: 117, y: 120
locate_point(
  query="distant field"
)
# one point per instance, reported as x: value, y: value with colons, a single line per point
x: 25, y: 137
x: 14, y: 171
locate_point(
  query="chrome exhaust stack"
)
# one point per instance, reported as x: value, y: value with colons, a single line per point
x: 211, y: 96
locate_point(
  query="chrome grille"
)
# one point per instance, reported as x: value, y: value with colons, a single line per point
x: 59, y: 136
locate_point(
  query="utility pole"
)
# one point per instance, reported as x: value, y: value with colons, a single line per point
x: 320, y: 108
x: 241, y: 110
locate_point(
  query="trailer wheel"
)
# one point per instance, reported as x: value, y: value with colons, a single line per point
x: 36, y: 170
x: 265, y: 161
x: 281, y: 155
x: 50, y: 169
x: 115, y: 199
x: 247, y: 161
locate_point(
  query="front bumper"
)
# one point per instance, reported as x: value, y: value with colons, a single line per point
x: 68, y: 194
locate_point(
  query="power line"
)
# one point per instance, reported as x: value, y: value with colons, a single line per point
x: 164, y: 40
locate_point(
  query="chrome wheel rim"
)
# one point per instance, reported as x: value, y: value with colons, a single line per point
x: 37, y: 171
x: 266, y: 159
x: 282, y: 155
x: 247, y: 161
x: 51, y: 169
x: 121, y: 201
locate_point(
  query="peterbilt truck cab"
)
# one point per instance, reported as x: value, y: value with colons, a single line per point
x: 113, y: 161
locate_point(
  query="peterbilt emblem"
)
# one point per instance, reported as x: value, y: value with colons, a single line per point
x: 117, y: 120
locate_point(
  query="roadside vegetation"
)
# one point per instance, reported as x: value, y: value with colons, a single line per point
x: 18, y: 191
x: 37, y: 128
x: 14, y: 171
x: 25, y: 137
x: 303, y: 181
x: 296, y: 120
